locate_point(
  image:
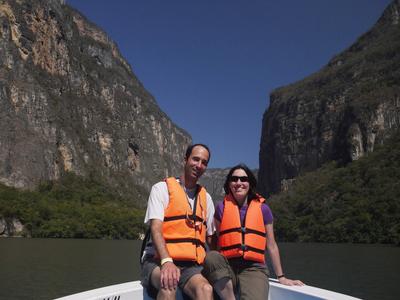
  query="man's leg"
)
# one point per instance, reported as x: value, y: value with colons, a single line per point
x: 147, y: 268
x: 218, y: 271
x: 163, y: 293
x: 150, y: 278
x: 197, y: 287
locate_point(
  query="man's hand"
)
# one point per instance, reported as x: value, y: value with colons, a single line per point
x: 170, y: 275
x: 169, y: 272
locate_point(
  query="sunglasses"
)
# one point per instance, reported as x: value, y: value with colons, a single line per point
x: 236, y: 178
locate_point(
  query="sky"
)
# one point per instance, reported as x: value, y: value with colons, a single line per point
x: 212, y: 64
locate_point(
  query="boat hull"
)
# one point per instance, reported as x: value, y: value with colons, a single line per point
x: 134, y: 290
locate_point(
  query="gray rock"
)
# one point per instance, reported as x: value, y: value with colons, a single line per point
x: 69, y: 102
x: 339, y: 113
x: 213, y: 180
x: 11, y: 227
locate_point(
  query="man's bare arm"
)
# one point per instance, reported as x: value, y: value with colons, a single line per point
x: 157, y: 238
x: 170, y: 273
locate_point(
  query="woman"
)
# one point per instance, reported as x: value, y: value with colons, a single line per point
x: 245, y: 230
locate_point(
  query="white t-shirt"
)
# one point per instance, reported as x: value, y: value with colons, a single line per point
x: 159, y: 200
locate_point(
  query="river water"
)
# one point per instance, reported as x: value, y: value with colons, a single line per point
x: 49, y: 268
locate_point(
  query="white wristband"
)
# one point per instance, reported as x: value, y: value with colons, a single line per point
x: 165, y: 260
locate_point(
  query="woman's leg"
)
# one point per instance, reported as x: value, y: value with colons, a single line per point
x: 219, y: 273
x: 253, y: 282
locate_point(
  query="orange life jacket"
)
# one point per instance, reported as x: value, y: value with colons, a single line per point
x: 184, y: 233
x: 249, y: 241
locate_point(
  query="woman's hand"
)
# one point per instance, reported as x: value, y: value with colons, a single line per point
x: 287, y: 281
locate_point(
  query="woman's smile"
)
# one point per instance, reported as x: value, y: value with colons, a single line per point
x: 239, y: 185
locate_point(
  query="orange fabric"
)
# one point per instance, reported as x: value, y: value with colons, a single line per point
x: 185, y: 238
x: 249, y: 242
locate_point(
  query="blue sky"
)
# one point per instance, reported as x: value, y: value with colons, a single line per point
x: 211, y: 64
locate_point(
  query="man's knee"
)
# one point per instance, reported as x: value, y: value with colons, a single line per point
x: 198, y: 288
x: 166, y: 294
x: 207, y: 288
x: 155, y: 278
x: 204, y: 290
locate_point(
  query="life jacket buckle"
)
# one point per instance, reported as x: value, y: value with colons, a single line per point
x: 243, y: 247
x: 243, y: 229
x: 191, y: 221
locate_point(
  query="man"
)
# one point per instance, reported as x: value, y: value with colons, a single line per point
x: 180, y: 213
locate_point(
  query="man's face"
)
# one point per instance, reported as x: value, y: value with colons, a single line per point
x: 196, y: 163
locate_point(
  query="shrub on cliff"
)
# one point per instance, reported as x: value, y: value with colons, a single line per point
x: 358, y: 203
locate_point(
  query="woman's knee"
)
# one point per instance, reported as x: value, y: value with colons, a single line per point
x: 213, y: 257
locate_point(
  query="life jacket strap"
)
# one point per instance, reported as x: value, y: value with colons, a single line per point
x: 236, y: 229
x: 248, y: 230
x: 174, y: 218
x: 188, y: 240
x: 243, y: 247
x: 243, y: 230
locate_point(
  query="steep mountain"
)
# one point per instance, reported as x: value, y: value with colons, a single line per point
x: 340, y: 113
x: 69, y: 102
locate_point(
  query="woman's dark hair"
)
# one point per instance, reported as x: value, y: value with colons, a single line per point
x: 249, y: 173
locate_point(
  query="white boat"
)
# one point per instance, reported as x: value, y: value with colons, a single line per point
x: 134, y: 290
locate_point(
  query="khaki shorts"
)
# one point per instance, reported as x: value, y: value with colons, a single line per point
x: 250, y: 280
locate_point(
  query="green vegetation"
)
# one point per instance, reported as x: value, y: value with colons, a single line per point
x: 74, y: 207
x: 358, y: 203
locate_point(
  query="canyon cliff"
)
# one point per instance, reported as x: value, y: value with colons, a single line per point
x: 70, y: 102
x: 339, y: 113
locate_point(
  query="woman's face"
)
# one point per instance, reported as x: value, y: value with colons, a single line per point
x: 239, y: 185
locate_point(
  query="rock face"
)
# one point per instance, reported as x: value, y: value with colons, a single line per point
x: 213, y: 180
x: 11, y: 228
x: 69, y: 102
x: 339, y: 113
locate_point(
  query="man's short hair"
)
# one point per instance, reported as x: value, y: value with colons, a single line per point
x: 190, y: 149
